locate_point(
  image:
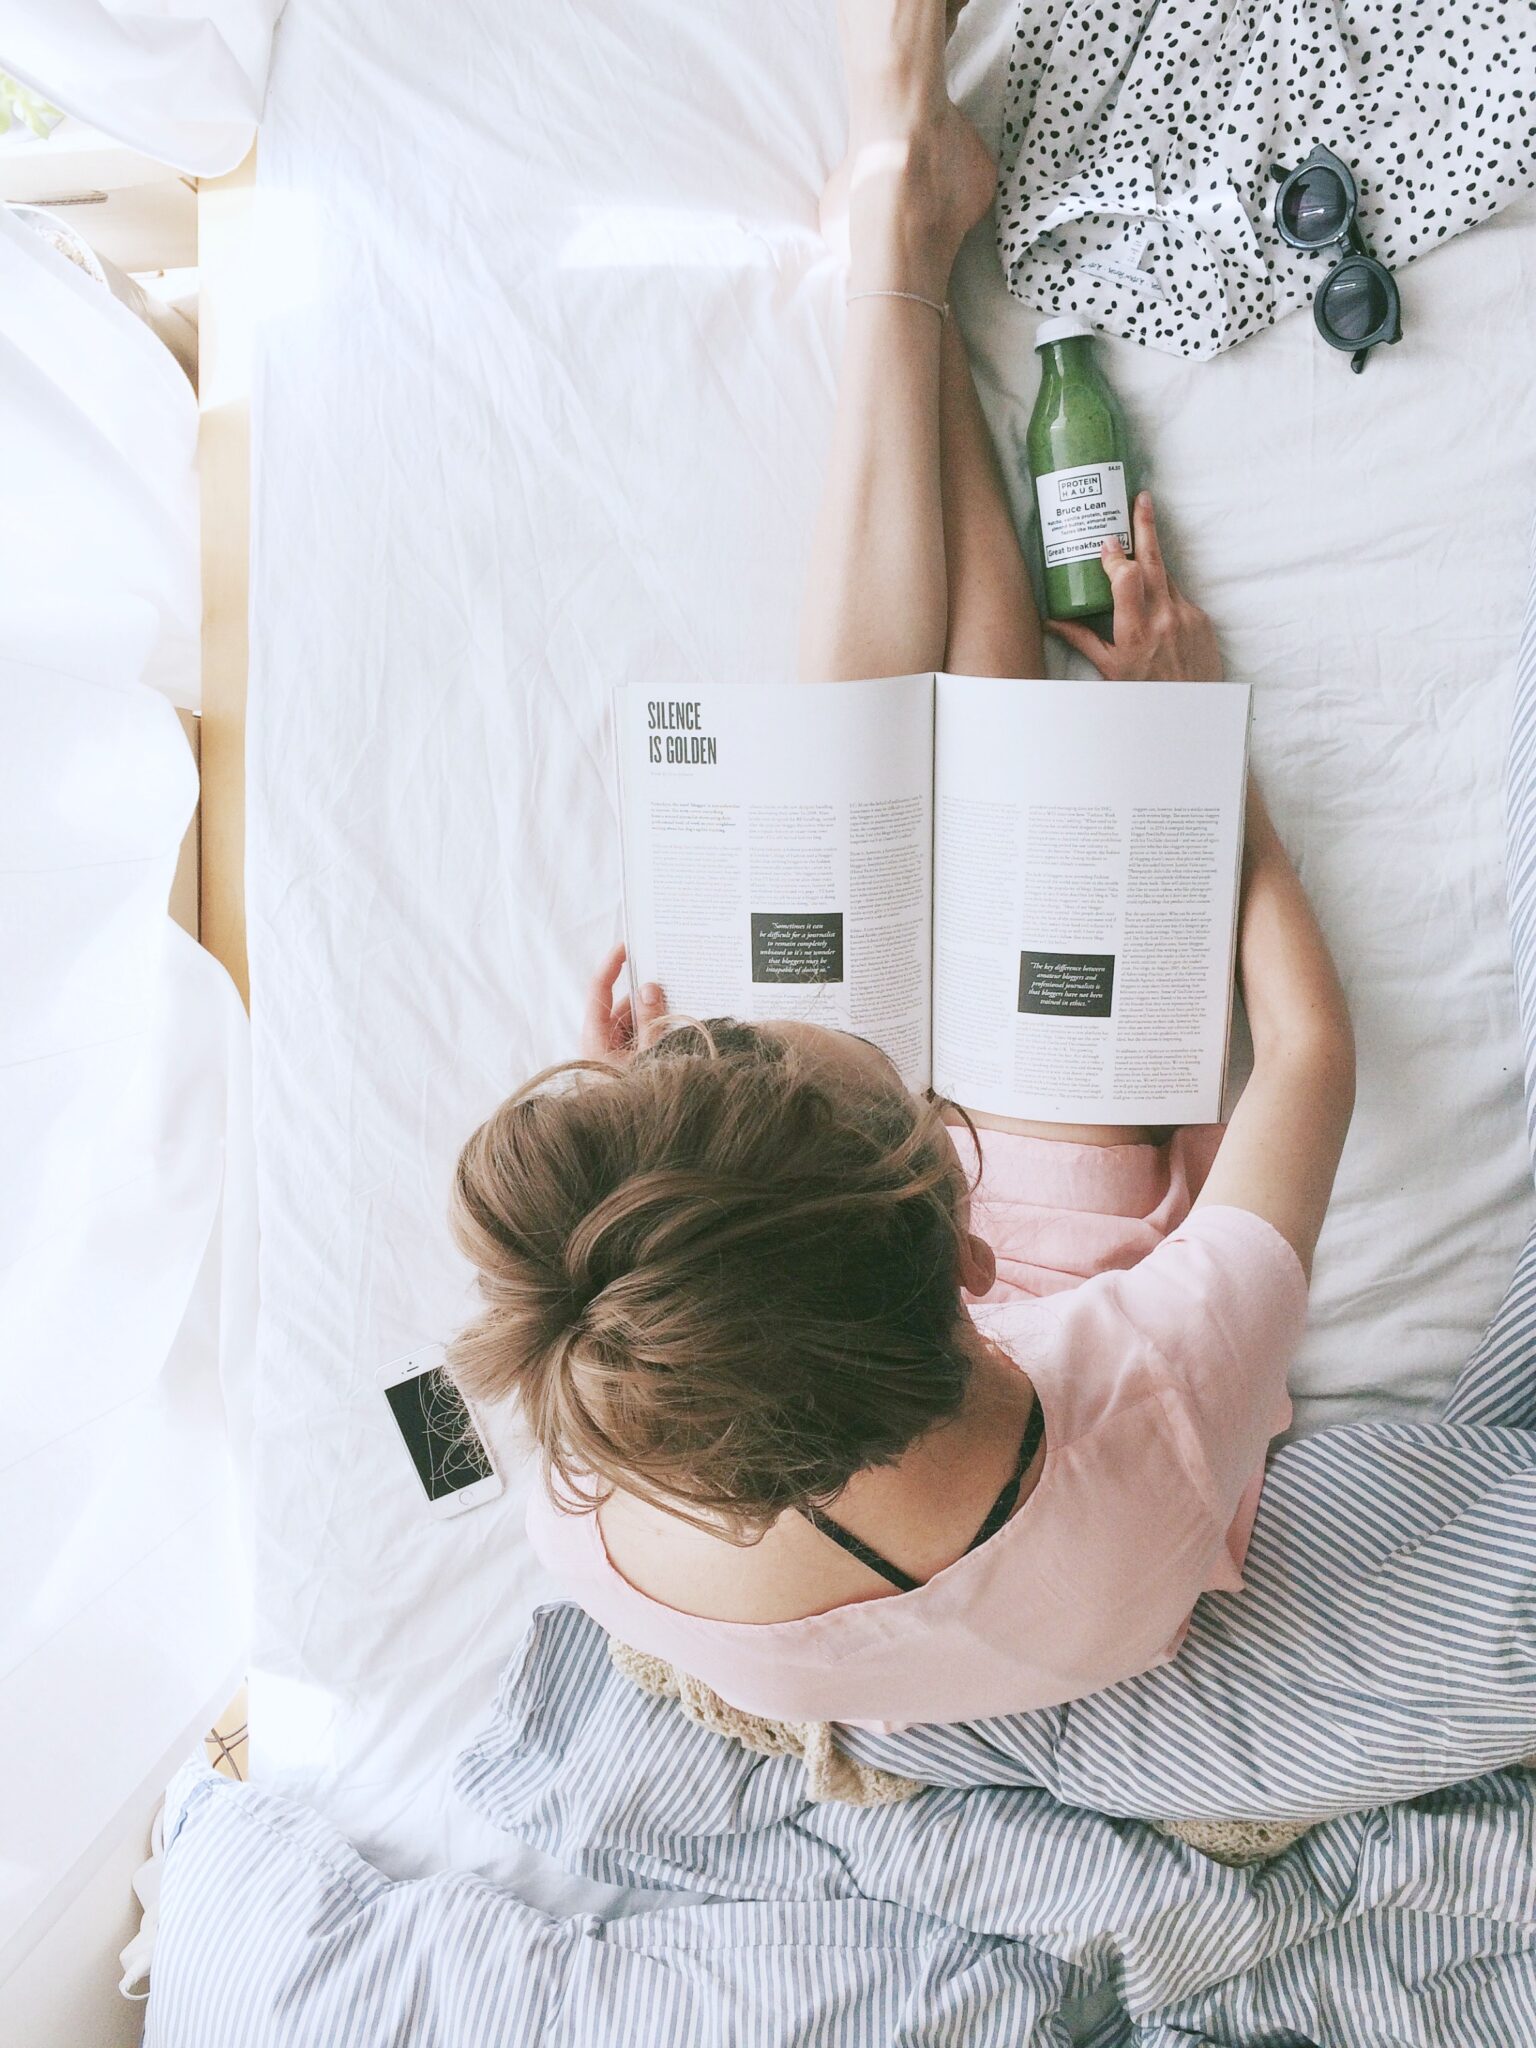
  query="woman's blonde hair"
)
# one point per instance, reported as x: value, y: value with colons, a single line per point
x: 723, y: 1278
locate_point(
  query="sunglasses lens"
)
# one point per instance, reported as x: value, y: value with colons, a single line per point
x: 1355, y: 302
x: 1314, y: 207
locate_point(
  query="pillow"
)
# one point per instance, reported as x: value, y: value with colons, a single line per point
x: 274, y: 1933
x: 182, y: 82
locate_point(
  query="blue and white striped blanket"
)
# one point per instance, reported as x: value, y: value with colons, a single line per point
x: 1385, y: 1648
x: 616, y: 1784
x: 978, y: 1916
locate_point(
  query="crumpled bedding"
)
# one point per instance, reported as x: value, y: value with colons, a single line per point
x: 543, y: 384
x: 1408, y: 1927
x: 275, y: 1933
x: 990, y: 1916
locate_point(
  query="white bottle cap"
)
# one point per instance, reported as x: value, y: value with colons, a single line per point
x: 1064, y: 327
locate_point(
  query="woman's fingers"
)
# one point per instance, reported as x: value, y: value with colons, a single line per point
x: 609, y: 1028
x: 1086, y: 641
x: 632, y: 1036
x: 597, y: 1015
x: 601, y: 984
x: 649, y: 1010
x: 1149, y: 550
x: 1127, y: 583
x: 1128, y: 588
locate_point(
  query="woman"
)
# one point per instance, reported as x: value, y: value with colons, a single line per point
x: 727, y: 1281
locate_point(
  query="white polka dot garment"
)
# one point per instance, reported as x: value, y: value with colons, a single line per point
x: 1138, y: 137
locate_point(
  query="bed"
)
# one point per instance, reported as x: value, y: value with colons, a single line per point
x: 542, y: 386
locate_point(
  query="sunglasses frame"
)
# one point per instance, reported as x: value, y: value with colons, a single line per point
x: 1356, y: 257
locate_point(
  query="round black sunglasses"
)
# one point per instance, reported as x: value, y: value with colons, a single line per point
x: 1356, y: 307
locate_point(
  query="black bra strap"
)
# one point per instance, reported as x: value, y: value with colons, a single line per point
x: 902, y: 1581
x: 999, y: 1512
x: 1007, y: 1500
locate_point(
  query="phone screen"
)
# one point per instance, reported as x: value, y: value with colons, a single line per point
x: 432, y: 1417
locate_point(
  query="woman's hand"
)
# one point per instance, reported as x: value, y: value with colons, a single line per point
x: 616, y: 1031
x: 1159, y: 635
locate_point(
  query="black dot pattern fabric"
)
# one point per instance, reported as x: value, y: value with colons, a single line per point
x: 1138, y: 137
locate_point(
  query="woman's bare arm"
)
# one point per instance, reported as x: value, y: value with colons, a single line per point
x: 1281, y: 1149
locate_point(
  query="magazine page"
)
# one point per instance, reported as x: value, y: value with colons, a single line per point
x: 778, y: 853
x: 1087, y: 846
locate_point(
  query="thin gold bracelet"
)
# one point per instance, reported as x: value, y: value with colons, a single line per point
x: 939, y: 306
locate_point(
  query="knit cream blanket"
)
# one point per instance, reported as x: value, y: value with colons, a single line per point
x: 830, y: 1774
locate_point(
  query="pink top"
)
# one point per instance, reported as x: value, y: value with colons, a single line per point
x: 1162, y: 1377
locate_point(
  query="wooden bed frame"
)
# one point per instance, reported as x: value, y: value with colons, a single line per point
x: 224, y: 210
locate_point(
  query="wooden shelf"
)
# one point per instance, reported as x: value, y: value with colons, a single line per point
x: 134, y: 212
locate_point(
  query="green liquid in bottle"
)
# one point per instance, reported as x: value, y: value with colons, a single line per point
x: 1077, y: 458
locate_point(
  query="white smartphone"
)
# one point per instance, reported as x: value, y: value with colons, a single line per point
x: 449, y: 1456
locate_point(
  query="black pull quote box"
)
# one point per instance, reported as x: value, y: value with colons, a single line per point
x: 797, y: 945
x: 1066, y: 984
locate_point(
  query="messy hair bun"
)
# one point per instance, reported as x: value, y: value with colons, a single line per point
x: 723, y: 1278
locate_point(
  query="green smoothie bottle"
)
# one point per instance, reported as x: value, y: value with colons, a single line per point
x: 1077, y: 457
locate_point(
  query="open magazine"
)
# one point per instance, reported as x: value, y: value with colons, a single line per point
x: 1024, y: 892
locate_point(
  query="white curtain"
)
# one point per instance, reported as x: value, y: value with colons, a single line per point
x: 180, y: 80
x: 127, y: 1252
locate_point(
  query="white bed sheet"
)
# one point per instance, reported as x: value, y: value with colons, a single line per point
x: 543, y: 392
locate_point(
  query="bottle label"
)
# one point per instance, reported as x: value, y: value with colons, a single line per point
x: 1080, y: 509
